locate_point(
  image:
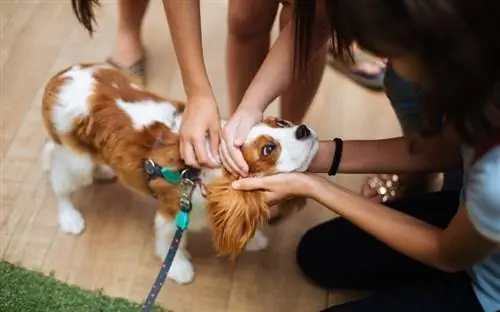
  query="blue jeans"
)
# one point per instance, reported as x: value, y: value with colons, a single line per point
x: 403, y: 98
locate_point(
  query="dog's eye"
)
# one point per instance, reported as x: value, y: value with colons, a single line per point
x: 268, y: 148
x: 282, y: 123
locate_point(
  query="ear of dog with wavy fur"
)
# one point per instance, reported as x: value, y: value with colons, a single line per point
x: 234, y: 215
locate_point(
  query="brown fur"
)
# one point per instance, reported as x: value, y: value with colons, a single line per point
x: 234, y: 215
x: 258, y: 163
x: 108, y: 135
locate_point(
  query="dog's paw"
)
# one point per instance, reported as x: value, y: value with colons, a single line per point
x: 258, y: 242
x: 182, y: 271
x: 71, y: 221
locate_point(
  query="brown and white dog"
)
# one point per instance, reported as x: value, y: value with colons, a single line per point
x: 102, y: 125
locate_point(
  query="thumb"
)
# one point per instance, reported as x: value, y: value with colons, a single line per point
x: 247, y: 184
x: 241, y: 134
x: 214, y: 144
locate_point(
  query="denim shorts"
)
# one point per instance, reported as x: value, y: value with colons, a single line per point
x: 403, y: 97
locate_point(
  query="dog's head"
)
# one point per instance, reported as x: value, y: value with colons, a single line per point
x: 273, y: 146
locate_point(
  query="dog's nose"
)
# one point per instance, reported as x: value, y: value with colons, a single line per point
x: 302, y: 132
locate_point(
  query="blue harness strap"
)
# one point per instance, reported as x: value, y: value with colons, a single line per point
x: 187, y: 179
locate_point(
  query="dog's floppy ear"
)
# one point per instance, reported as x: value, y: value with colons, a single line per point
x: 234, y: 215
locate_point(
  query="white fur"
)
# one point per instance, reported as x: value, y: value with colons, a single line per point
x: 70, y: 171
x: 72, y: 101
x: 296, y: 155
x: 144, y: 113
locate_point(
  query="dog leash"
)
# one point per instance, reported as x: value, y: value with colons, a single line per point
x: 187, y: 179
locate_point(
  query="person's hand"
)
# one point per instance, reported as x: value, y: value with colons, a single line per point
x: 201, y: 118
x: 278, y: 187
x: 233, y: 137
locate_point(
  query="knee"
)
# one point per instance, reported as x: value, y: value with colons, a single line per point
x: 316, y: 251
x: 245, y: 25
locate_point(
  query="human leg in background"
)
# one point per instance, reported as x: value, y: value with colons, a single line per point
x: 339, y: 255
x: 248, y: 43
x: 297, y: 99
x: 128, y: 52
x: 403, y: 98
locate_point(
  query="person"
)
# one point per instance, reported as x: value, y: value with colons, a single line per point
x: 249, y: 28
x: 430, y: 252
x: 248, y: 41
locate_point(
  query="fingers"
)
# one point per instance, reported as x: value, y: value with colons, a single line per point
x: 247, y: 184
x: 226, y: 159
x: 214, y: 144
x: 189, y: 156
x: 233, y: 158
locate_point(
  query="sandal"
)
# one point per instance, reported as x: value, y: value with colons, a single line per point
x: 136, y: 70
x: 372, y: 81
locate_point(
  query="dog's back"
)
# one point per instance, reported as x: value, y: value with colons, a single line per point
x: 100, y: 124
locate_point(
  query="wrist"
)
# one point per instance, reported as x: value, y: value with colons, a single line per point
x: 253, y: 109
x: 322, y: 161
x: 308, y: 184
x: 253, y: 105
x: 196, y: 83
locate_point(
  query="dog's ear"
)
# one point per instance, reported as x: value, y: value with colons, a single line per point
x: 234, y: 215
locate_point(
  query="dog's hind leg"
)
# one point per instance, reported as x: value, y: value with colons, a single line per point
x: 47, y: 156
x: 104, y: 173
x: 69, y: 172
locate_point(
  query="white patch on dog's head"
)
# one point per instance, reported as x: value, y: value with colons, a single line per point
x: 277, y: 146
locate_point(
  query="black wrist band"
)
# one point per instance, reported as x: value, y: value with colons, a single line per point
x: 339, y: 144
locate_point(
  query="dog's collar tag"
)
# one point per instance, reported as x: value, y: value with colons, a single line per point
x: 172, y: 176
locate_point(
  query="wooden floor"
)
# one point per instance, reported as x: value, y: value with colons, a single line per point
x: 115, y: 254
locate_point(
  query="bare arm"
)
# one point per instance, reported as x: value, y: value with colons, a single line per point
x: 276, y: 73
x: 436, y: 154
x: 184, y: 21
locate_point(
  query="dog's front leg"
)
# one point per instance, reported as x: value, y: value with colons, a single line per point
x: 258, y: 242
x: 182, y: 270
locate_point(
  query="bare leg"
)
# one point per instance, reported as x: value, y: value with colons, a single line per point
x: 250, y: 24
x: 298, y: 98
x: 128, y: 47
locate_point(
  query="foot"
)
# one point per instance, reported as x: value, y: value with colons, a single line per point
x: 71, y: 221
x: 129, y: 55
x: 365, y: 71
x: 258, y: 242
x: 182, y: 270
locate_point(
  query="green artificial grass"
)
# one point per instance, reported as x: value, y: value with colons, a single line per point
x: 29, y: 291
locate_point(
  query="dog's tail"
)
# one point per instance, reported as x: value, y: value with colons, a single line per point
x: 47, y: 155
x: 84, y: 11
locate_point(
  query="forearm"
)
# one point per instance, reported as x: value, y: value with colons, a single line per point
x: 277, y: 72
x: 407, y: 235
x: 436, y: 154
x: 184, y: 21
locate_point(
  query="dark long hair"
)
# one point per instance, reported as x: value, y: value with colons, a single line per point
x: 84, y: 12
x: 457, y: 42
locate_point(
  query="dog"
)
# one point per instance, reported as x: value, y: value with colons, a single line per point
x: 101, y: 125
